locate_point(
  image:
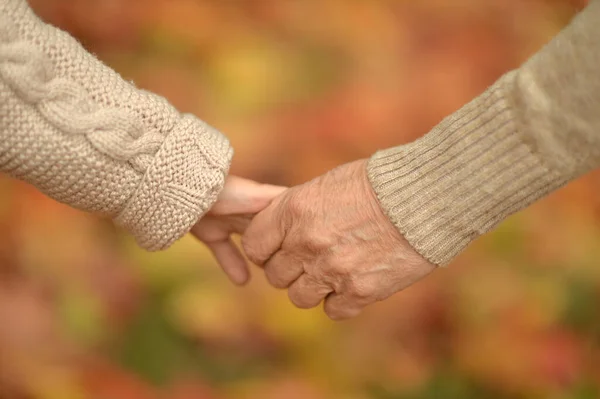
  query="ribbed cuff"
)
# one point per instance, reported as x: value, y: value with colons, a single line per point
x: 460, y: 180
x: 180, y: 186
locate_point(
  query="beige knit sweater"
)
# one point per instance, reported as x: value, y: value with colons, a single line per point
x: 73, y: 128
x: 534, y: 130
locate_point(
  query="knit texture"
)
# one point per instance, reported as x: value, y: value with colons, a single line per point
x: 77, y: 131
x: 534, y: 130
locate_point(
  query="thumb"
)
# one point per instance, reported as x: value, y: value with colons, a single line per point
x: 265, y: 234
x: 243, y: 196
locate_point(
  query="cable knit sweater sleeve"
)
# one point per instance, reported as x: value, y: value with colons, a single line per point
x: 74, y: 129
x: 534, y: 130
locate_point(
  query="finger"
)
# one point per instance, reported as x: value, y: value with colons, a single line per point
x: 238, y: 223
x: 282, y: 269
x: 231, y: 260
x: 306, y: 292
x: 244, y: 196
x: 265, y: 234
x: 343, y: 306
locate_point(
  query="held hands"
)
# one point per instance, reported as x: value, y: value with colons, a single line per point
x: 328, y: 240
x: 238, y: 202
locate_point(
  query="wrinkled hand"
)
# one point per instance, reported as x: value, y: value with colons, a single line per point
x: 329, y: 240
x: 238, y: 202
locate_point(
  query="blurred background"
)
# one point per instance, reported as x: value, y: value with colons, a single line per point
x: 300, y: 87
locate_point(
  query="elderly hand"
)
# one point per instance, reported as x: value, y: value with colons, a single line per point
x: 238, y: 202
x: 329, y: 240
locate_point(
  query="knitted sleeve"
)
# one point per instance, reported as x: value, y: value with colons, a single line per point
x: 74, y: 129
x: 534, y: 130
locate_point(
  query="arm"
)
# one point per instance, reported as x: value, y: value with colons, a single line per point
x: 74, y: 129
x: 534, y: 130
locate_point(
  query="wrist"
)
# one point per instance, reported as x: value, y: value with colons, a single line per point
x: 460, y: 180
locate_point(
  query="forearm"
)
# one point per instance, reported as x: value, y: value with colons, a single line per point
x: 73, y: 128
x: 530, y: 133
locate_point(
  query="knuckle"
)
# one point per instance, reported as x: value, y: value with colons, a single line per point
x: 360, y: 289
x: 333, y: 271
x: 299, y: 300
x: 252, y: 250
x: 318, y: 242
x: 333, y: 314
x: 338, y: 267
x: 275, y: 279
x: 341, y: 313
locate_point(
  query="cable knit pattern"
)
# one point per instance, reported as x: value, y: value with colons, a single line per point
x: 81, y: 134
x: 66, y: 105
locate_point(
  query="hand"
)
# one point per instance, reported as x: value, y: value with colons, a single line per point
x: 329, y: 240
x: 238, y: 202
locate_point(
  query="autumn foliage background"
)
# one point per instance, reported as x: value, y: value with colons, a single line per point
x: 300, y: 87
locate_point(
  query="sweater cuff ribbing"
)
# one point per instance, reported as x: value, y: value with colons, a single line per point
x: 460, y: 180
x: 180, y: 186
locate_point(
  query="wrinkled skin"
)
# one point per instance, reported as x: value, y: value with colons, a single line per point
x: 329, y: 240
